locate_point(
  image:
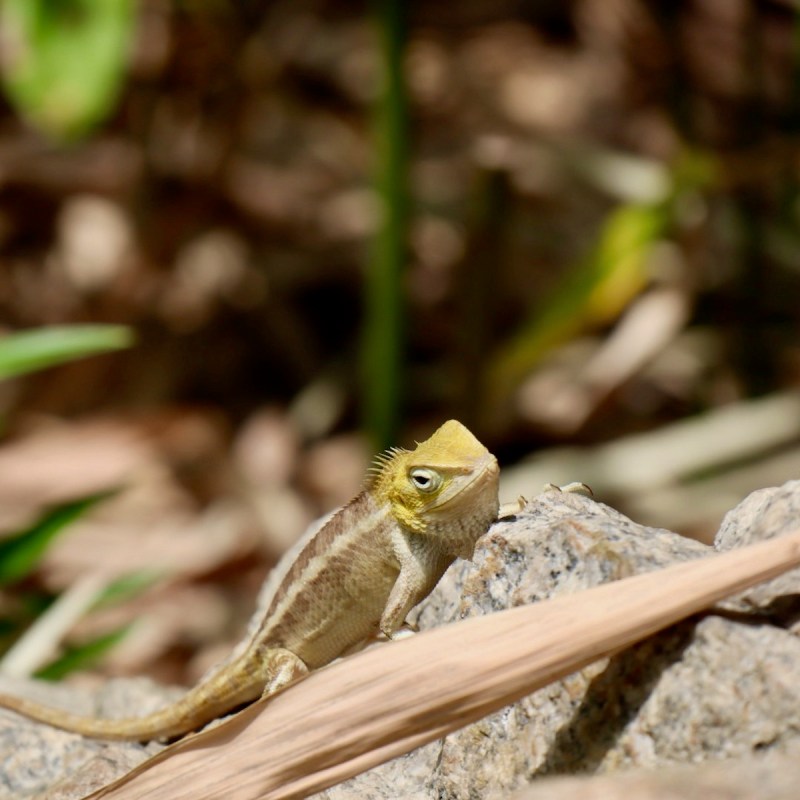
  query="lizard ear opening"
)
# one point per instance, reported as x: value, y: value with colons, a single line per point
x: 425, y: 479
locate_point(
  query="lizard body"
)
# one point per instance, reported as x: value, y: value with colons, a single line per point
x: 361, y: 574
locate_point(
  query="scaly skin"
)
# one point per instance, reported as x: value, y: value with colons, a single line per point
x: 359, y: 575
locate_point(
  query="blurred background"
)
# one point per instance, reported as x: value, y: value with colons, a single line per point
x: 245, y: 245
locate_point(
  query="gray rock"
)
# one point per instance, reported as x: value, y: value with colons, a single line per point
x: 765, y: 514
x: 38, y: 761
x: 774, y: 776
x: 723, y: 685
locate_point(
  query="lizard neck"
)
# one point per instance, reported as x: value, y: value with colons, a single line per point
x: 457, y: 535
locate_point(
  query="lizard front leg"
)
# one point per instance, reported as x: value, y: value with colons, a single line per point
x: 421, y: 566
x: 404, y: 596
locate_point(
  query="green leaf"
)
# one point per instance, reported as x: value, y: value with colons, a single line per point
x: 594, y: 292
x: 82, y: 655
x: 64, y: 60
x: 599, y: 288
x: 33, y: 350
x: 21, y: 554
x: 127, y: 587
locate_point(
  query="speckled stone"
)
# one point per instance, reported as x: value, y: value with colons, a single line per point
x: 774, y: 776
x: 721, y: 686
x: 765, y: 514
x: 37, y: 761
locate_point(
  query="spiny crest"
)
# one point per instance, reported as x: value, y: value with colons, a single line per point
x: 381, y: 463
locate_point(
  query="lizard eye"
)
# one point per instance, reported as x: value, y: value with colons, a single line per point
x: 426, y: 480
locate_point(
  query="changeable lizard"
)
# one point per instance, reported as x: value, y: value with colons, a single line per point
x: 358, y: 576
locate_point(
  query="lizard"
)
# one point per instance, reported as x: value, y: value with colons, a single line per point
x: 356, y: 578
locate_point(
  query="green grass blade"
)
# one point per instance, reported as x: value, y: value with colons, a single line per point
x: 382, y: 335
x: 127, y: 587
x: 82, y: 655
x: 21, y: 554
x: 33, y: 350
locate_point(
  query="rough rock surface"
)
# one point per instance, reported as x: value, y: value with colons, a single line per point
x: 724, y: 685
x: 719, y: 686
x: 37, y: 761
x: 774, y: 776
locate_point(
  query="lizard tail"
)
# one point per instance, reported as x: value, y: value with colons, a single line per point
x: 221, y: 693
x: 258, y: 671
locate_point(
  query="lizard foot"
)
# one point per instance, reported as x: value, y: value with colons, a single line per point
x: 509, y: 510
x: 281, y: 667
x: 405, y: 631
x: 513, y: 508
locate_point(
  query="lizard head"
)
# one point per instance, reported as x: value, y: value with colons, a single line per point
x: 447, y: 481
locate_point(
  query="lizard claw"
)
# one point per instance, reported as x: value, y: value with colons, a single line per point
x: 403, y: 632
x: 572, y: 488
x: 512, y: 509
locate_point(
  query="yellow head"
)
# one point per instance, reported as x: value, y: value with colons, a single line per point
x: 450, y: 476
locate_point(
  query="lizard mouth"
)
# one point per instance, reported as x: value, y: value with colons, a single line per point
x: 488, y: 472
